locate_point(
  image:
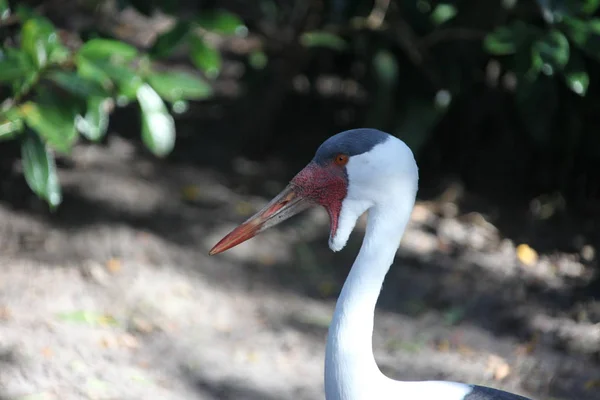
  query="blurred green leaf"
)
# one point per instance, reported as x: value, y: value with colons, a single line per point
x: 443, y: 13
x: 41, y: 42
x: 577, y: 30
x: 59, y: 54
x: 88, y: 317
x: 109, y: 74
x: 510, y: 39
x: 552, y: 50
x: 527, y: 65
x: 258, y: 59
x: 158, y: 127
x: 385, y: 68
x: 576, y: 76
x: 555, y: 10
x: 323, y: 39
x: 589, y: 6
x: 173, y: 86
x: 168, y: 41
x: 4, y: 10
x: 223, y: 22
x: 22, y: 86
x: 107, y: 49
x: 54, y: 122
x: 454, y: 315
x: 126, y: 79
x: 502, y: 41
x: 76, y: 84
x: 24, y: 12
x: 205, y: 57
x: 585, y: 34
x: 11, y: 124
x: 14, y: 65
x: 38, y: 39
x: 90, y: 69
x: 39, y: 169
x: 94, y: 123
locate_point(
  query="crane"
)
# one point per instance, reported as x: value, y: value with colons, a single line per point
x: 352, y: 172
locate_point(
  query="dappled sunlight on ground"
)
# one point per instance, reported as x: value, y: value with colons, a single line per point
x: 115, y: 296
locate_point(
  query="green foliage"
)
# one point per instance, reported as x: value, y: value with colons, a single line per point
x: 421, y: 55
x: 443, y: 13
x: 40, y: 169
x: 169, y: 41
x: 323, y: 39
x: 223, y: 22
x: 4, y: 10
x: 414, y: 59
x: 205, y: 57
x: 53, y: 121
x: 11, y: 124
x: 103, y: 49
x: 59, y: 93
x: 94, y: 123
x: 158, y: 128
x: 174, y: 86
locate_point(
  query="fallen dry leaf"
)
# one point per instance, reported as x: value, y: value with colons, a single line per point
x: 528, y: 347
x: 444, y: 246
x: 421, y: 214
x: 223, y: 327
x: 527, y: 255
x: 129, y: 341
x: 498, y: 367
x: 190, y: 192
x: 465, y: 350
x: 592, y: 384
x: 107, y: 341
x: 47, y: 352
x: 326, y: 288
x: 5, y: 313
x: 113, y: 265
x: 443, y: 345
x: 267, y: 260
x: 141, y: 325
x: 244, y: 208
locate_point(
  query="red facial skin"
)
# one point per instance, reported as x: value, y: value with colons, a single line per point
x: 325, y: 185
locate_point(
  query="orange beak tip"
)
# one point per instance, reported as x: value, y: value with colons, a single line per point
x: 284, y: 205
x: 239, y: 235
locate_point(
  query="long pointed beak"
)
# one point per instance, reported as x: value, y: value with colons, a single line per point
x: 283, y: 206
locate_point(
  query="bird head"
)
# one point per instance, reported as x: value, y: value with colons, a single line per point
x: 350, y: 173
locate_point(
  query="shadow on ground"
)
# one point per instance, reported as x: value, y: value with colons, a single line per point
x: 457, y: 276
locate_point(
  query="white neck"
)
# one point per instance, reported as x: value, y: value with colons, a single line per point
x: 351, y: 372
x: 350, y: 368
x: 388, y: 193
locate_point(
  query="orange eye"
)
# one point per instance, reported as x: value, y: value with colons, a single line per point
x: 341, y: 160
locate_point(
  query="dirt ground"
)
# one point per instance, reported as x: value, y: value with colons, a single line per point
x: 115, y: 297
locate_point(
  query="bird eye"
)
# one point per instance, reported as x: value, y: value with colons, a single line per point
x: 341, y: 159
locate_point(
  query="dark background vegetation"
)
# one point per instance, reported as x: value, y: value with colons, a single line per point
x: 498, y: 94
x: 498, y: 99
